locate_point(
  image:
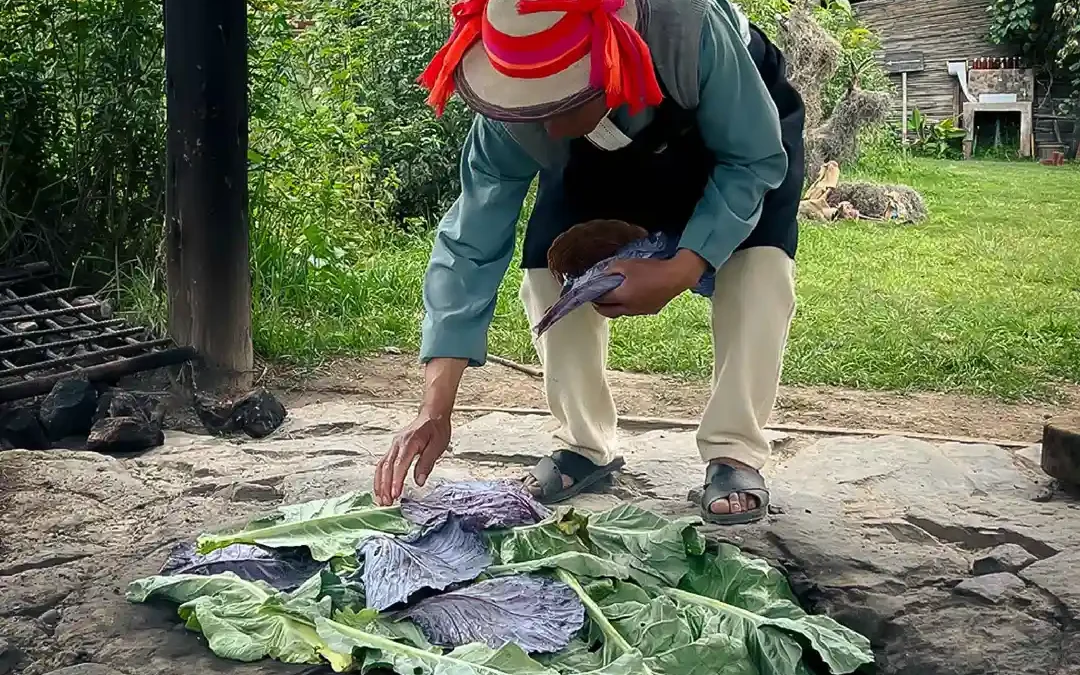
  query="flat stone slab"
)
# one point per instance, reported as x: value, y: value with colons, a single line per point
x: 880, y: 533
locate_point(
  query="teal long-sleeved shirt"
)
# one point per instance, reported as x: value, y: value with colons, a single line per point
x: 474, y: 242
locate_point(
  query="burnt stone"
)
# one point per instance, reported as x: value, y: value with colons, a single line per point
x: 121, y: 403
x: 257, y: 414
x: 68, y: 410
x: 20, y: 429
x: 125, y: 435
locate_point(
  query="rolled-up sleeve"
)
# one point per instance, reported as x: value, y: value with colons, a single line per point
x: 740, y: 124
x: 474, y: 244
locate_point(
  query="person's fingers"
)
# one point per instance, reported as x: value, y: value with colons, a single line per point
x: 427, y: 462
x: 410, y: 447
x: 383, y: 473
x: 430, y: 454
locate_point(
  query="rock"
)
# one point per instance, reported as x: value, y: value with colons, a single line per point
x: 3, y: 647
x: 124, y: 435
x: 1057, y: 576
x: 21, y: 429
x: 258, y: 414
x: 50, y: 618
x: 991, y: 587
x: 1061, y: 452
x: 1004, y: 558
x: 121, y: 403
x: 971, y: 640
x: 878, y: 533
x: 1032, y: 454
x: 86, y: 669
x: 68, y: 410
x: 252, y: 492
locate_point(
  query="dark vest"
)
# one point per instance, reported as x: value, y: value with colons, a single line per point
x: 658, y: 179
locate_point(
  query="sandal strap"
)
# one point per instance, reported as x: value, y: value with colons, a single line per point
x: 723, y: 479
x: 549, y: 471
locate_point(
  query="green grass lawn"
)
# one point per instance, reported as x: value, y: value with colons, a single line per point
x: 982, y: 298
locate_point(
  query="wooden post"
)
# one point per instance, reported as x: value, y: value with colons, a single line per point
x: 206, y: 201
x: 904, y: 63
x: 903, y: 87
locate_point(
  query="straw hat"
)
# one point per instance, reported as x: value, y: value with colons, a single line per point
x: 526, y: 60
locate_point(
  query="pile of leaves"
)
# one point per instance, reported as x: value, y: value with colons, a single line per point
x: 479, y: 579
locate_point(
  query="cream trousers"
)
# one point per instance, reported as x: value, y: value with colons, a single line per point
x: 752, y: 309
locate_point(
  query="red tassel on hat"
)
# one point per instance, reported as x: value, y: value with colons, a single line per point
x: 438, y: 77
x: 621, y: 62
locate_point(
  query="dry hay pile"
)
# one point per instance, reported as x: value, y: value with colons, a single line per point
x: 813, y: 56
x: 876, y: 201
x: 837, y: 139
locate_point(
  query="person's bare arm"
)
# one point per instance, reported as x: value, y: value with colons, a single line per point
x: 427, y: 437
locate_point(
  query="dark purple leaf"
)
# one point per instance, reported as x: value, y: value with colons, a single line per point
x: 596, y: 281
x: 590, y: 287
x: 479, y: 504
x: 537, y: 614
x: 284, y: 569
x: 395, y: 569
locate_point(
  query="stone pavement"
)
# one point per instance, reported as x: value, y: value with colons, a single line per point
x: 936, y: 552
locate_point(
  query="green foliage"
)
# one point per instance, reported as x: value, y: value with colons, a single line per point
x: 81, y: 130
x: 1048, y: 33
x: 933, y: 139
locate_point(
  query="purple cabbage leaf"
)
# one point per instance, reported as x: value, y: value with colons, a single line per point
x: 283, y: 569
x: 538, y: 614
x: 480, y: 505
x: 597, y: 281
x: 395, y: 569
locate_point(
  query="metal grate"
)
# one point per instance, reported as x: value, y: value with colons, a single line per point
x: 48, y: 334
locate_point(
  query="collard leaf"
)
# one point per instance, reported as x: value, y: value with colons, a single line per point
x: 285, y: 570
x: 653, y: 628
x: 245, y: 620
x: 557, y: 534
x: 480, y: 504
x: 578, y: 564
x: 329, y: 528
x: 395, y: 569
x: 374, y: 622
x: 474, y: 659
x: 537, y: 614
x: 750, y: 584
x: 715, y: 654
x: 744, y: 581
x: 656, y: 549
x: 345, y: 594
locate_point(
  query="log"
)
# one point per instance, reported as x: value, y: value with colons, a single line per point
x: 206, y: 197
x: 1061, y: 451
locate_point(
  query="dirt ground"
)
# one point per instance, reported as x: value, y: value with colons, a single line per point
x: 398, y: 376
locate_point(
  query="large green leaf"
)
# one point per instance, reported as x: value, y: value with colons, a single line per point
x: 656, y: 549
x: 578, y: 564
x: 385, y: 651
x: 560, y: 533
x: 244, y: 620
x: 755, y: 588
x: 329, y: 528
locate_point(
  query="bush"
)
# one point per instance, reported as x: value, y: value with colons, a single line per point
x: 81, y: 131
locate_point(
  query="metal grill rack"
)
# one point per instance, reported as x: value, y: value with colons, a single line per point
x: 49, y: 334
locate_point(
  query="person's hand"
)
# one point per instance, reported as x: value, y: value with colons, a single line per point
x: 424, y: 440
x: 649, y: 285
